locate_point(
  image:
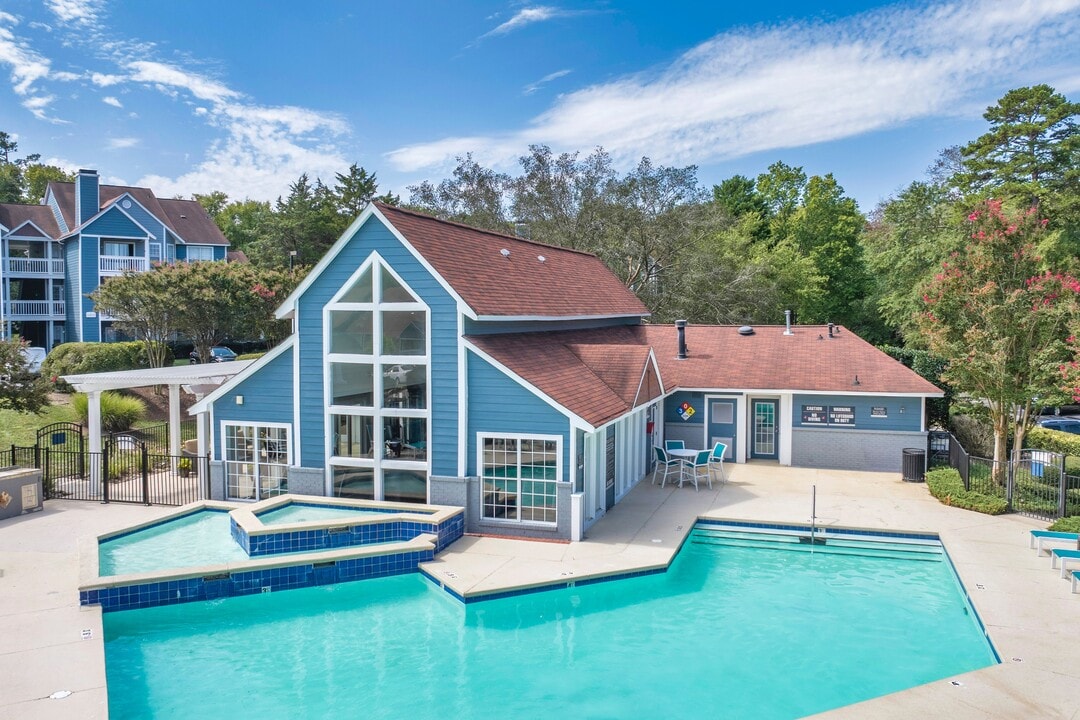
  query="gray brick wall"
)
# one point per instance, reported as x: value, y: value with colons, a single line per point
x: 307, y: 481
x: 852, y: 449
x: 217, y: 480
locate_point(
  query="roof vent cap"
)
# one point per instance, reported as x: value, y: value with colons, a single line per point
x: 746, y: 330
x: 505, y: 252
x: 541, y: 258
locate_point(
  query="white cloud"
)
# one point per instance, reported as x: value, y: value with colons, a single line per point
x: 526, y: 16
x: 122, y: 143
x: 27, y: 67
x: 80, y: 12
x: 170, y: 76
x: 758, y: 89
x: 533, y: 87
x: 105, y: 80
x: 64, y: 76
x: 110, y: 100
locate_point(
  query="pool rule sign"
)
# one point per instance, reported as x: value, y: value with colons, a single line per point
x: 828, y: 415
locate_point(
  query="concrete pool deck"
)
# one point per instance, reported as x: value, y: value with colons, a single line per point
x: 1029, y: 611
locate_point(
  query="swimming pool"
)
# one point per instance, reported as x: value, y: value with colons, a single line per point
x: 304, y: 512
x: 737, y: 627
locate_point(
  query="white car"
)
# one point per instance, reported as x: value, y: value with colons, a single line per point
x: 34, y: 357
x: 397, y: 373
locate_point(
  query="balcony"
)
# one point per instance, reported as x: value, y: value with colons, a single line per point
x: 35, y: 266
x: 116, y: 264
x: 34, y: 310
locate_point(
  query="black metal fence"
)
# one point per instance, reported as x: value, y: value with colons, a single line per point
x: 1033, y: 482
x: 122, y: 472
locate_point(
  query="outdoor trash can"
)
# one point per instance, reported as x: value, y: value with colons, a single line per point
x: 914, y: 465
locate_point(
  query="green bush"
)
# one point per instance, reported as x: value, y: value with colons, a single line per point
x: 78, y: 358
x: 118, y: 412
x: 976, y: 434
x: 945, y: 484
x: 1053, y: 440
x: 1067, y: 524
x: 250, y: 356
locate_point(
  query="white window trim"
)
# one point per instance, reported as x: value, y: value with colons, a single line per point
x: 256, y: 425
x: 558, y: 439
x: 374, y: 264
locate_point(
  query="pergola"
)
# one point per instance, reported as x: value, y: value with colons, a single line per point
x: 197, y: 379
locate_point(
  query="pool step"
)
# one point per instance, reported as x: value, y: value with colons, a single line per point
x: 834, y: 544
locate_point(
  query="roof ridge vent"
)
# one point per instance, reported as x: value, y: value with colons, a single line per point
x: 746, y: 330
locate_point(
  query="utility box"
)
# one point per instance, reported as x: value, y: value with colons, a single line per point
x: 913, y: 465
x: 20, y: 491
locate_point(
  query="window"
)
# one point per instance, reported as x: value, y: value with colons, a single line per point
x: 256, y: 460
x: 199, y: 253
x: 377, y: 388
x: 519, y: 476
x: 116, y: 248
x: 723, y: 413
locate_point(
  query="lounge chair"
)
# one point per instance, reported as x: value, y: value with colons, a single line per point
x: 1038, y: 537
x: 1063, y: 556
x: 668, y: 463
x: 716, y: 460
x: 698, y: 468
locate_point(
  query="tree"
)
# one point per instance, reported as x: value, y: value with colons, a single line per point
x: 1031, y: 150
x: 354, y: 190
x: 214, y: 203
x: 738, y: 196
x: 474, y: 195
x: 1001, y: 321
x: 38, y: 177
x: 12, y: 171
x: 562, y: 200
x: 20, y: 390
x: 146, y: 306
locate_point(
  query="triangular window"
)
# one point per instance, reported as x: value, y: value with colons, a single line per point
x: 393, y: 291
x: 361, y: 291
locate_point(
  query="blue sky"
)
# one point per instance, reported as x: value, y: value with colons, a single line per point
x: 238, y: 96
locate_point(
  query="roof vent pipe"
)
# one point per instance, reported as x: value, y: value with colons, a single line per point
x: 680, y: 327
x: 831, y: 326
x: 787, y: 322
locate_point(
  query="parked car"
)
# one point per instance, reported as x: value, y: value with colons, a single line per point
x: 1062, y: 424
x: 218, y: 353
x: 34, y: 357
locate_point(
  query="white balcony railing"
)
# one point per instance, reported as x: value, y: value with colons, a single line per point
x: 35, y: 266
x: 16, y: 309
x: 120, y: 263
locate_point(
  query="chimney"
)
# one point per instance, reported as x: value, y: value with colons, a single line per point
x: 680, y: 326
x: 831, y: 326
x: 787, y: 322
x: 87, y: 200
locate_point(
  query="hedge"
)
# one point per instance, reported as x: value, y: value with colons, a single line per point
x: 1053, y: 440
x: 1067, y: 524
x: 945, y: 484
x: 77, y: 358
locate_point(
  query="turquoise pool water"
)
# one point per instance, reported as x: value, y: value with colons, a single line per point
x: 736, y: 628
x: 298, y: 513
x: 201, y: 538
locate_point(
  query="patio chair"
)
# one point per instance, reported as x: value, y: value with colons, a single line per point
x: 668, y: 463
x: 698, y: 468
x: 716, y: 460
x: 674, y: 445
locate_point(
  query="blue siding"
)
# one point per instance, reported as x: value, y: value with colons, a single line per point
x: 267, y: 398
x: 371, y: 237
x: 498, y: 404
x: 87, y: 199
x: 908, y: 420
x: 114, y: 224
x: 472, y: 327
x: 89, y: 272
x: 144, y: 218
x: 72, y: 321
x: 55, y: 207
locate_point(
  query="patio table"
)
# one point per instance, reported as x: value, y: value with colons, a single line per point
x: 686, y: 457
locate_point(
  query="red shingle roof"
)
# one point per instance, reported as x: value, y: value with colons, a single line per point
x: 567, y: 283
x: 186, y: 218
x: 13, y: 215
x: 595, y: 373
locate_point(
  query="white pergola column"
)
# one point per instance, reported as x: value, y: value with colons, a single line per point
x: 174, y: 420
x: 93, y: 413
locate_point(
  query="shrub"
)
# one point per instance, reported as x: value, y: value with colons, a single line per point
x: 1053, y: 440
x: 118, y: 412
x: 1067, y: 524
x: 250, y: 356
x: 84, y: 357
x: 945, y: 484
x: 975, y: 434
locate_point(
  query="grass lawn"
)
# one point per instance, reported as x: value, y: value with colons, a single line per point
x: 21, y: 428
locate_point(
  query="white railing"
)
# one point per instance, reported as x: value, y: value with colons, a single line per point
x: 120, y: 263
x: 38, y: 308
x: 36, y: 266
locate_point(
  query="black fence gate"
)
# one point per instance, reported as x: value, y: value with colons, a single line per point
x: 1033, y: 482
x: 65, y: 450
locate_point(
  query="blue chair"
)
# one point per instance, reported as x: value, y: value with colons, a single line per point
x: 698, y: 468
x: 716, y: 459
x: 674, y: 445
x: 1063, y: 556
x: 668, y: 463
x: 1038, y: 537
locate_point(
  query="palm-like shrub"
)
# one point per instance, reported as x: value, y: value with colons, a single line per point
x: 118, y: 412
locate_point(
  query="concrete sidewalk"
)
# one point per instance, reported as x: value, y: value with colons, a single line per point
x: 1028, y: 609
